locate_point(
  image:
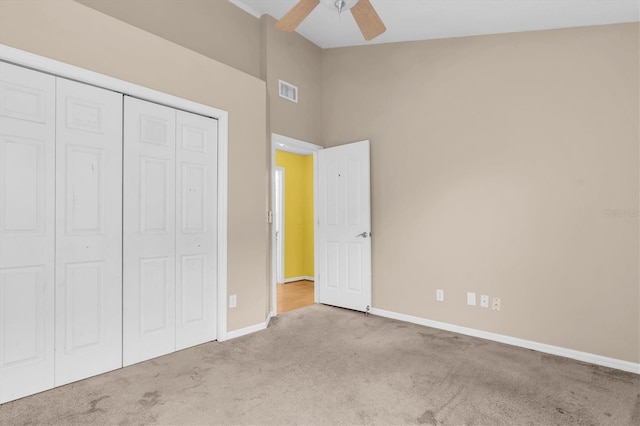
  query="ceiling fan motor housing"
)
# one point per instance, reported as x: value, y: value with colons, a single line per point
x: 335, y: 4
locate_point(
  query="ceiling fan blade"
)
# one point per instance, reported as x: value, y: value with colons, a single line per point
x: 296, y: 15
x: 371, y: 26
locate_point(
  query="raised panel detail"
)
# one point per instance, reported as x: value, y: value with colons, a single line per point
x: 193, y: 198
x: 153, y: 294
x: 84, y: 115
x: 193, y: 288
x: 21, y: 315
x: 354, y: 267
x: 153, y: 130
x: 84, y: 304
x: 194, y: 139
x: 153, y: 195
x: 22, y: 103
x: 84, y: 190
x: 354, y: 198
x: 333, y: 186
x: 21, y: 186
x: 333, y: 264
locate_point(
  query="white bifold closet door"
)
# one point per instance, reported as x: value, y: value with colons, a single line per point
x: 27, y: 211
x: 88, y: 231
x: 196, y: 229
x: 149, y: 284
x: 170, y: 237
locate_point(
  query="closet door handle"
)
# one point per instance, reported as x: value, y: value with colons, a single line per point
x: 364, y: 234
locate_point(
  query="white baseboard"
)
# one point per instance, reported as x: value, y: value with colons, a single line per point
x: 302, y: 278
x: 248, y: 330
x: 631, y: 367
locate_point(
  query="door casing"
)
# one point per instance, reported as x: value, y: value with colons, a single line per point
x: 278, y: 224
x: 294, y: 146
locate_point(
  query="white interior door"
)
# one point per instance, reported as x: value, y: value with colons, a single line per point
x: 149, y: 302
x: 196, y: 225
x: 344, y: 226
x: 88, y: 231
x: 27, y: 176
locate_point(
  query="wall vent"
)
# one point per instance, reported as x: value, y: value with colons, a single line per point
x: 288, y: 91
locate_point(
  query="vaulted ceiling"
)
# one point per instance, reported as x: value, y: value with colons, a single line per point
x: 431, y: 19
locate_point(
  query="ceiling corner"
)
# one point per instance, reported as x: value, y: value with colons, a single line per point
x: 242, y: 5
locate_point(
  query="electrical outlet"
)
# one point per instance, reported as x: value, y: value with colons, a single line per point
x: 496, y: 304
x: 439, y: 295
x: 233, y: 301
x: 471, y: 299
x: 484, y: 301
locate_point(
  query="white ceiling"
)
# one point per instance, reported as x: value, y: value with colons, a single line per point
x: 431, y: 19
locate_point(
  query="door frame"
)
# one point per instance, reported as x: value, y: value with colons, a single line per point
x: 278, y: 221
x: 294, y: 146
x: 61, y: 69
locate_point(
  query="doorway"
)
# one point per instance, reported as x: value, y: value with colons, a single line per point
x: 293, y: 230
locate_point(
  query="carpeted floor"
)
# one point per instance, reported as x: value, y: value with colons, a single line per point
x: 323, y: 365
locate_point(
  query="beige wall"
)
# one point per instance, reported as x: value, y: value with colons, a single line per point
x: 215, y: 28
x: 494, y: 159
x: 293, y: 58
x: 221, y: 31
x: 494, y: 162
x: 75, y: 34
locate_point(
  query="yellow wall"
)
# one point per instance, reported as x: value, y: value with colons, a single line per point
x: 298, y: 218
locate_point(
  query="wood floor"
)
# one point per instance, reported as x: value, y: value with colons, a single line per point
x: 294, y: 295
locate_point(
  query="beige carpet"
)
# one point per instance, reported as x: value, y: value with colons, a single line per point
x: 323, y: 365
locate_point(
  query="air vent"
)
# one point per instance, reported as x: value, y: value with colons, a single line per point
x: 288, y: 91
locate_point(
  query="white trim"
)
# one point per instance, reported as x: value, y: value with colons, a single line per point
x: 294, y: 146
x: 250, y: 10
x: 279, y: 220
x: 251, y: 329
x: 619, y: 364
x: 301, y: 278
x: 43, y: 64
x: 316, y: 222
x: 223, y: 198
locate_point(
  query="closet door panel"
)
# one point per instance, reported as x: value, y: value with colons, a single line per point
x: 88, y: 231
x: 196, y: 222
x: 27, y: 156
x: 149, y: 231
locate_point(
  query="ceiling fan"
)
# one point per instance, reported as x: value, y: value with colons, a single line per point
x: 363, y: 12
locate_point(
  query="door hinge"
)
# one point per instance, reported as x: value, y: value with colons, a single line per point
x: 270, y: 217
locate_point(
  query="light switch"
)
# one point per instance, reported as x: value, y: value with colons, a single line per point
x: 471, y: 299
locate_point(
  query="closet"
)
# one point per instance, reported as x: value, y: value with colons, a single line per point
x: 108, y: 230
x: 169, y: 229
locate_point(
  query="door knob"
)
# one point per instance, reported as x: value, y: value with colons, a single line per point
x: 365, y: 234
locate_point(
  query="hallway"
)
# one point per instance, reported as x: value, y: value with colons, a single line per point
x: 295, y: 295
